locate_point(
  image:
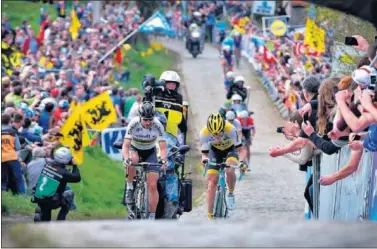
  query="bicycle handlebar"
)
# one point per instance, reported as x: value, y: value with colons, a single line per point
x: 144, y: 164
x: 221, y: 165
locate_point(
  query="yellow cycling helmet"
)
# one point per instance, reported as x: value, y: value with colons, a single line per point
x: 215, y: 123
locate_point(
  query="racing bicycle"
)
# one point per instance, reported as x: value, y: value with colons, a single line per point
x: 220, y: 208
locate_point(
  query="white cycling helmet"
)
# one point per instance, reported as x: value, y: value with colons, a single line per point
x: 226, y: 48
x: 237, y: 33
x: 193, y: 26
x: 363, y: 75
x: 230, y: 116
x: 63, y: 155
x: 230, y: 75
x: 243, y: 114
x: 236, y: 97
x: 171, y: 76
x: 239, y: 79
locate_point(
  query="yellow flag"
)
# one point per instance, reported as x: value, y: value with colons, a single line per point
x: 75, y: 135
x: 126, y: 47
x: 72, y: 106
x: 75, y: 25
x: 99, y: 112
x: 314, y: 36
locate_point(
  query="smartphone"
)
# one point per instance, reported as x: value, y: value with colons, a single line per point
x: 351, y: 41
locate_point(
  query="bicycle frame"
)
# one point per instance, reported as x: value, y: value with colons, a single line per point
x: 220, y: 208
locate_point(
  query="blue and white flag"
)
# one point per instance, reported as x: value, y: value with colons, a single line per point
x: 157, y: 23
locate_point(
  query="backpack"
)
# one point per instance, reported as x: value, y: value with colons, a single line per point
x: 48, y: 183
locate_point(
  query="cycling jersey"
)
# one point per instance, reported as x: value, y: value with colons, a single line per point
x: 237, y: 124
x: 228, y: 139
x: 144, y: 138
x: 247, y: 124
x: 237, y: 42
x: 228, y: 57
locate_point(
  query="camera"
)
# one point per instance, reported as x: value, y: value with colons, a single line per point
x: 280, y: 129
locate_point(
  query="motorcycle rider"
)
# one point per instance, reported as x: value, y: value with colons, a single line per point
x: 237, y: 88
x: 50, y: 192
x: 169, y: 101
x: 140, y: 145
x: 171, y: 200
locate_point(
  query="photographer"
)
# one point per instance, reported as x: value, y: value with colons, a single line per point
x: 49, y: 195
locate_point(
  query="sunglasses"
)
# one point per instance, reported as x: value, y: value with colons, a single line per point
x: 147, y: 119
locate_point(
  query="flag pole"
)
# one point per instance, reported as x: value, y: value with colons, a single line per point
x: 125, y: 39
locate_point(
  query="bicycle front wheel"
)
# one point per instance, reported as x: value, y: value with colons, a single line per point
x: 142, y: 201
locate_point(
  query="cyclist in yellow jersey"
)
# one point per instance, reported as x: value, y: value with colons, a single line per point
x: 220, y: 141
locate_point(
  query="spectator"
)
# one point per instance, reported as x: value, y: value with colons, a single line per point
x: 134, y: 112
x: 11, y: 177
x: 130, y: 101
x: 46, y: 118
x: 34, y: 167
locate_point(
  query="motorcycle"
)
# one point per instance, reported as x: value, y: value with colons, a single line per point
x: 175, y: 191
x: 194, y: 42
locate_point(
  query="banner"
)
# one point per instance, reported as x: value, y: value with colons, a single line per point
x: 276, y: 25
x: 345, y: 59
x: 314, y: 36
x: 99, y: 112
x: 75, y: 135
x: 264, y: 7
x: 108, y: 138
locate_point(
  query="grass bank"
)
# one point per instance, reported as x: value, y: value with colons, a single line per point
x: 97, y: 196
x: 18, y: 11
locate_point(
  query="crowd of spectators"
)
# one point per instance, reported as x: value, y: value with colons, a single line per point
x: 53, y: 70
x: 338, y: 111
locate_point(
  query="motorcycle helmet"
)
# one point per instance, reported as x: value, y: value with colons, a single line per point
x: 63, y: 155
x: 146, y: 110
x: 239, y: 79
x: 171, y: 76
x: 215, y: 123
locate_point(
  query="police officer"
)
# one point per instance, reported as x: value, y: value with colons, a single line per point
x: 51, y: 192
x: 168, y: 101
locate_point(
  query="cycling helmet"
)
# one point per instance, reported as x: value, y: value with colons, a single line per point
x: 237, y: 33
x: 193, y: 26
x: 63, y: 103
x: 226, y: 48
x: 215, y: 123
x: 230, y: 75
x: 236, y: 97
x: 148, y: 80
x: 63, y: 155
x: 171, y: 76
x: 162, y: 118
x: 230, y: 115
x: 146, y: 110
x: 239, y: 79
x: 363, y: 75
x: 222, y: 111
x: 243, y: 114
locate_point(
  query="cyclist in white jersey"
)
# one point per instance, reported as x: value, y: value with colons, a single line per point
x: 139, y: 145
x: 231, y: 118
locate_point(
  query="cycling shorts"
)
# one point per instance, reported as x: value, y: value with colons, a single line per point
x: 148, y: 156
x: 246, y: 134
x: 218, y: 156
